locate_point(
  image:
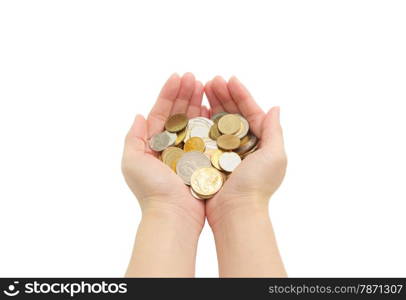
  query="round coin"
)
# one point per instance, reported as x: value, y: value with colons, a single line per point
x: 244, y: 127
x: 215, y: 158
x: 189, y: 162
x: 195, y: 195
x: 210, y: 144
x: 198, y: 122
x: 172, y: 155
x: 199, y: 131
x: 228, y: 161
x: 176, y: 123
x: 162, y: 140
x: 180, y: 136
x: 229, y: 124
x: 214, y: 132
x: 228, y: 142
x: 206, y: 181
x: 194, y: 144
x: 248, y: 145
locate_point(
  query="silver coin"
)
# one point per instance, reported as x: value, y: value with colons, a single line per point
x: 228, y: 161
x: 162, y: 140
x: 247, y: 146
x: 210, y: 144
x: 199, y: 131
x: 190, y: 162
x: 245, y: 127
x: 200, y: 122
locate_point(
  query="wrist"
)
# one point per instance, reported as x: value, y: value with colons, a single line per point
x: 234, y: 218
x: 171, y: 218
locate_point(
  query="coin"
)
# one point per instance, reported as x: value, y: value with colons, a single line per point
x: 198, y: 122
x: 199, y: 131
x: 171, y: 155
x: 162, y: 140
x: 229, y: 124
x: 243, y: 128
x: 214, y: 132
x: 228, y: 161
x: 176, y: 123
x: 195, y: 195
x: 180, y: 136
x: 215, y: 158
x: 189, y: 162
x: 194, y: 144
x: 210, y: 144
x: 215, y: 118
x: 245, y: 140
x: 228, y: 142
x: 194, y: 149
x: 247, y: 146
x: 206, y: 181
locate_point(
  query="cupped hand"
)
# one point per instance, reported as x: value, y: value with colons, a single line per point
x: 260, y: 174
x: 156, y: 186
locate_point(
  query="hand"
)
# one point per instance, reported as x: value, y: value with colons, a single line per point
x: 157, y: 188
x: 252, y: 183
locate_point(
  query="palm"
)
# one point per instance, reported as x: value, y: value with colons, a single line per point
x: 260, y: 173
x: 153, y: 182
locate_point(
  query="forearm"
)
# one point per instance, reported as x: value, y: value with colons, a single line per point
x: 164, y: 247
x: 246, y: 245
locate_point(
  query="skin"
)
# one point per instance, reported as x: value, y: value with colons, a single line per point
x: 166, y: 241
x: 238, y: 213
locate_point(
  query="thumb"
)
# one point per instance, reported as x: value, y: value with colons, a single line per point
x: 137, y: 135
x: 272, y: 136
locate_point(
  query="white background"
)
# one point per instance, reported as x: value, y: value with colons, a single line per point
x: 74, y: 73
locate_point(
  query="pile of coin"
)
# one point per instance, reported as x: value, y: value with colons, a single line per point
x: 204, y: 152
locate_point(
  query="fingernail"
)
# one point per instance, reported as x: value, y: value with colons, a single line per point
x: 235, y: 78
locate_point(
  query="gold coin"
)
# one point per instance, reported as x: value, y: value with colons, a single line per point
x: 206, y: 181
x: 194, y: 144
x: 171, y: 155
x: 244, y: 140
x: 173, y: 165
x: 228, y: 142
x: 176, y: 123
x: 229, y: 124
x: 214, y: 132
x: 215, y: 158
x: 180, y: 136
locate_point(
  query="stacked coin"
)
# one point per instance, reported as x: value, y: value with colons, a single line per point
x: 202, y: 151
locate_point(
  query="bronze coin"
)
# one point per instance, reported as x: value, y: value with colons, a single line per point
x: 176, y: 123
